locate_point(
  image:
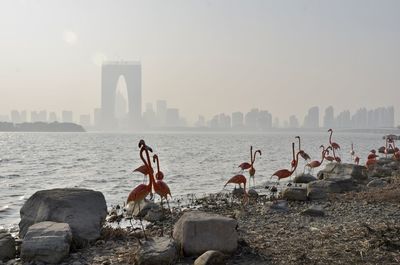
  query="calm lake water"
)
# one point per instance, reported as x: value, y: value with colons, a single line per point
x: 193, y: 163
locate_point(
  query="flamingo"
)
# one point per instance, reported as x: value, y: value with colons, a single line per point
x: 239, y: 179
x: 141, y: 191
x: 327, y: 156
x: 370, y: 162
x: 372, y: 154
x: 294, y: 162
x: 352, y: 153
x: 160, y: 187
x: 304, y: 155
x: 246, y: 165
x: 356, y: 160
x: 285, y: 173
x: 396, y: 155
x: 335, y: 146
x: 316, y: 163
x: 252, y: 170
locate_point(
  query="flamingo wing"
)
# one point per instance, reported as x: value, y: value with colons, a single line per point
x: 144, y: 169
x: 238, y: 179
x: 138, y: 193
x: 245, y: 166
x: 314, y: 164
x: 283, y: 173
x: 335, y: 145
x: 162, y: 189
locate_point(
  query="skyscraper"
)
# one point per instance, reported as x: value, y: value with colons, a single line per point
x: 110, y: 73
x: 67, y: 116
x: 237, y: 120
x: 329, y: 118
x: 311, y: 121
x: 161, y: 112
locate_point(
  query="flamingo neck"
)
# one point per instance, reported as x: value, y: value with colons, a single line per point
x: 299, y: 144
x: 293, y: 150
x: 323, y: 156
x: 330, y: 137
x: 297, y: 162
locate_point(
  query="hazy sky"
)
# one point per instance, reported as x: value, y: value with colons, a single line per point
x: 203, y: 57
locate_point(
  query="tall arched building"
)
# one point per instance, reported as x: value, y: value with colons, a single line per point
x: 110, y: 73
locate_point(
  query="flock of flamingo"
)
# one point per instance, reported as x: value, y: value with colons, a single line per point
x: 333, y: 148
x: 156, y: 183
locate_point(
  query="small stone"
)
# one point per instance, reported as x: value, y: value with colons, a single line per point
x: 304, y: 178
x: 314, y: 210
x: 279, y: 205
x: 211, y: 257
x: 154, y: 215
x: 157, y: 250
x: 376, y: 183
x: 7, y: 246
x: 253, y: 193
x: 295, y: 193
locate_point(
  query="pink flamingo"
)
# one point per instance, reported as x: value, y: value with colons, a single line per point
x: 285, y: 173
x: 239, y: 179
x: 160, y: 187
x: 335, y: 146
x: 316, y: 163
x: 304, y: 155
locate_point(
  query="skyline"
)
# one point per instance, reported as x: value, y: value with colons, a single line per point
x: 203, y: 57
x: 163, y: 116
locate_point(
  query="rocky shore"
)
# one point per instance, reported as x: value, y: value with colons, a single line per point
x: 346, y: 214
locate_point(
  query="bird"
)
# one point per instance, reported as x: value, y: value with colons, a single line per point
x: 285, y: 173
x: 396, y: 156
x: 316, y: 163
x: 356, y: 160
x: 370, y: 163
x: 335, y: 146
x: 327, y: 156
x: 239, y: 179
x: 252, y: 170
x: 372, y: 154
x: 352, y: 153
x: 294, y: 162
x: 160, y: 187
x: 304, y: 155
x: 140, y: 192
x: 159, y: 174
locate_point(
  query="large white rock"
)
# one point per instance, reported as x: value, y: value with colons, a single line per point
x: 157, y: 251
x: 47, y: 242
x: 84, y: 210
x: 7, y: 246
x: 338, y: 170
x: 197, y: 232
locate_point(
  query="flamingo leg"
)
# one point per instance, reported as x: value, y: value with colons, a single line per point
x: 169, y: 208
x: 141, y: 223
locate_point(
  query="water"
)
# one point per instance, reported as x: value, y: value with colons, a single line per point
x: 192, y: 163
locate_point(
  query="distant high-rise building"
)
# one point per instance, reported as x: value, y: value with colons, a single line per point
x: 110, y: 73
x: 149, y: 116
x: 201, y: 122
x: 84, y: 120
x: 360, y: 119
x: 224, y: 121
x: 161, y: 112
x: 276, y: 123
x: 24, y: 116
x: 311, y: 121
x: 172, y: 117
x: 52, y: 117
x: 390, y: 117
x: 251, y: 119
x: 329, y: 118
x: 214, y: 122
x: 237, y: 120
x: 343, y: 120
x: 264, y: 120
x: 34, y: 116
x: 43, y: 116
x: 97, y: 117
x: 293, y: 122
x: 120, y: 106
x: 15, y: 116
x: 4, y: 118
x: 67, y: 116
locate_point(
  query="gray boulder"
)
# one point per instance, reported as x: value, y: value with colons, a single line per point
x: 157, y: 251
x: 314, y: 210
x: 211, y: 257
x: 295, y: 193
x: 317, y: 190
x: 197, y: 232
x: 46, y: 242
x: 338, y: 170
x: 84, y: 210
x: 7, y: 246
x: 253, y: 193
x: 304, y: 178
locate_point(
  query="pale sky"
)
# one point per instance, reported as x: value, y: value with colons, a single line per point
x: 203, y: 57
